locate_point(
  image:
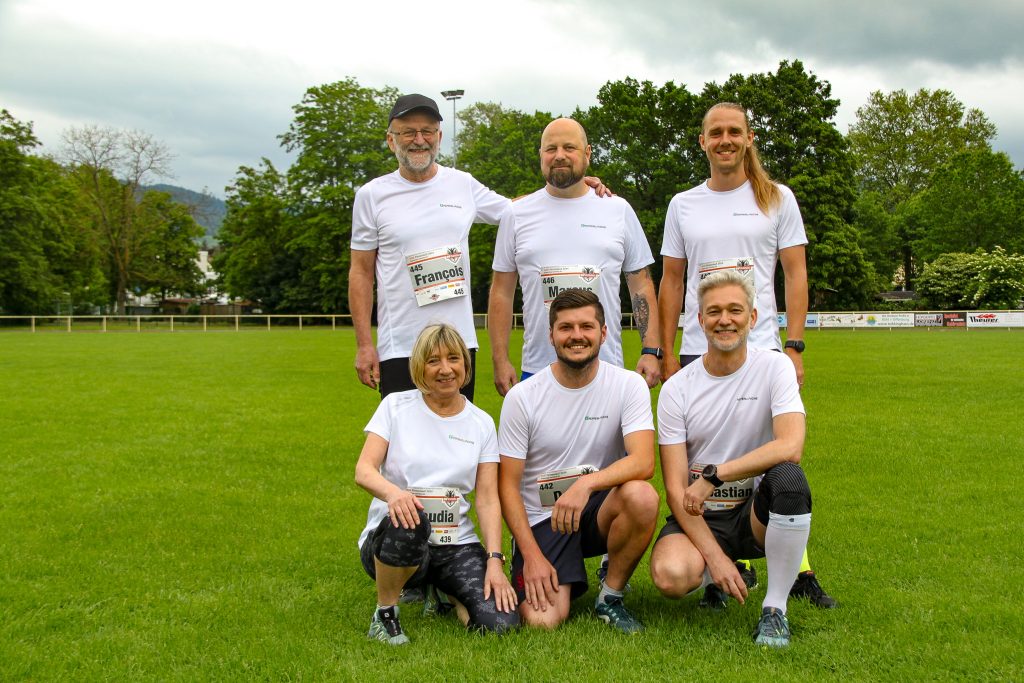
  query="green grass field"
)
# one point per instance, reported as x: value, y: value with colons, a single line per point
x: 181, y: 507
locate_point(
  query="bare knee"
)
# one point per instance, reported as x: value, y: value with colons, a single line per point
x: 548, y: 619
x: 675, y: 575
x: 640, y: 500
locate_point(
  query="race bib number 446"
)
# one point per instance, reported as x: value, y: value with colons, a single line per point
x: 557, y: 279
x: 556, y: 482
x: 441, y: 505
x: 437, y: 274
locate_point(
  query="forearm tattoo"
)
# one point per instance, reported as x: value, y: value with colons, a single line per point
x: 641, y: 314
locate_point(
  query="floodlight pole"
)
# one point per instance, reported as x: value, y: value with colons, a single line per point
x: 454, y: 95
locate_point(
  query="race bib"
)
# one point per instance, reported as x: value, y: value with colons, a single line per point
x: 441, y: 505
x: 437, y: 274
x: 556, y: 482
x: 744, y: 266
x: 729, y: 495
x: 556, y: 279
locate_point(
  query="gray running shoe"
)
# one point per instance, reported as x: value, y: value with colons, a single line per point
x: 773, y: 628
x: 612, y: 612
x: 411, y: 595
x: 602, y: 572
x: 807, y: 586
x: 386, y: 627
x: 713, y: 598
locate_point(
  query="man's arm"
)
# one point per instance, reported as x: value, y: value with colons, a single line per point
x: 645, y: 306
x: 670, y: 305
x: 360, y: 304
x: 539, y: 576
x: 794, y: 266
x: 499, y: 328
x: 789, y: 430
x: 675, y: 472
x: 638, y: 463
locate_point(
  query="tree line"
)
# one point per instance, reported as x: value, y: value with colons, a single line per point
x: 912, y: 197
x: 80, y: 230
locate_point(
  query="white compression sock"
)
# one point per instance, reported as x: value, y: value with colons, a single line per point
x: 784, y: 544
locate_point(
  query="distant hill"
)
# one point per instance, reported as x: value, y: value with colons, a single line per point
x: 209, y: 211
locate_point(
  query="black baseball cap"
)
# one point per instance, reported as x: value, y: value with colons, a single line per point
x: 409, y: 103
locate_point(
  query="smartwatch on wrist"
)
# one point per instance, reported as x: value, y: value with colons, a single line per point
x: 710, y: 473
x: 654, y: 351
x: 795, y: 344
x: 496, y: 556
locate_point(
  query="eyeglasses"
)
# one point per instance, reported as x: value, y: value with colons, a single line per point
x: 410, y: 135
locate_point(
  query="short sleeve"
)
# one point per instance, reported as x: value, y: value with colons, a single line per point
x: 638, y: 250
x: 505, y: 244
x: 636, y: 405
x: 490, y: 206
x: 672, y: 241
x: 514, y: 426
x: 489, y: 449
x: 671, y: 414
x: 383, y: 419
x: 784, y: 387
x: 791, y: 231
x: 364, y: 224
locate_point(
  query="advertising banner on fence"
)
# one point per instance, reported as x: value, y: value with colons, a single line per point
x: 809, y: 322
x: 882, y: 319
x: 995, y: 319
x: 927, y: 320
x: 954, y: 319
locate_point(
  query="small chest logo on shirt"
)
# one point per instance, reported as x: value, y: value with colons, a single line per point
x: 747, y: 398
x: 459, y: 438
x: 595, y: 227
x: 450, y: 206
x: 740, y: 213
x: 588, y: 418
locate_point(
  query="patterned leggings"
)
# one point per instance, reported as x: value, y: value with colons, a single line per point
x: 458, y: 570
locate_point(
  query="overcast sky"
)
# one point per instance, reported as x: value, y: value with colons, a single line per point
x: 216, y: 80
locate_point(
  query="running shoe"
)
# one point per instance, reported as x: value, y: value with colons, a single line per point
x: 773, y: 628
x: 612, y: 612
x: 386, y: 627
x: 748, y: 573
x: 807, y: 586
x: 713, y: 598
x: 435, y: 602
x: 602, y: 572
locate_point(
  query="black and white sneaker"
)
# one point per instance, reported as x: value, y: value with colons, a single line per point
x: 807, y: 586
x: 385, y: 627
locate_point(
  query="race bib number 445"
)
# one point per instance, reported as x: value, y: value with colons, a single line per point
x: 437, y: 274
x: 441, y: 505
x: 556, y: 482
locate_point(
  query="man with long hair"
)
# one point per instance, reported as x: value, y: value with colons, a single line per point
x: 739, y: 220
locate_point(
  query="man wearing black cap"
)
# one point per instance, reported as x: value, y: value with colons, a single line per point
x: 410, y: 232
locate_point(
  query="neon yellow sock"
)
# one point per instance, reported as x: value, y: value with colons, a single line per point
x: 805, y: 564
x: 745, y: 563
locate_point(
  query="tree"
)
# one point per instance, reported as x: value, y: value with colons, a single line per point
x: 975, y: 200
x: 979, y: 280
x: 110, y: 167
x: 339, y: 134
x: 46, y: 256
x: 499, y: 147
x: 168, y: 266
x: 899, y: 140
x: 254, y: 261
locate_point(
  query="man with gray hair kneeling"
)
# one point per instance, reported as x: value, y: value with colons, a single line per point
x: 731, y: 430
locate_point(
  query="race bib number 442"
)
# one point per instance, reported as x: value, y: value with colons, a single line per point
x: 556, y: 482
x: 441, y: 505
x: 437, y: 274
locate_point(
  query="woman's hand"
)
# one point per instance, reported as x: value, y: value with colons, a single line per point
x: 496, y: 582
x: 403, y: 508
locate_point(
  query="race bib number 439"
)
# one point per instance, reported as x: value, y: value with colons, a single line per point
x: 441, y: 505
x: 556, y: 482
x: 557, y: 279
x: 437, y: 274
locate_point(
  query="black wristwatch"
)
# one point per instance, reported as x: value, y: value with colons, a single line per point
x: 497, y: 556
x: 795, y: 344
x: 710, y: 473
x: 654, y: 351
